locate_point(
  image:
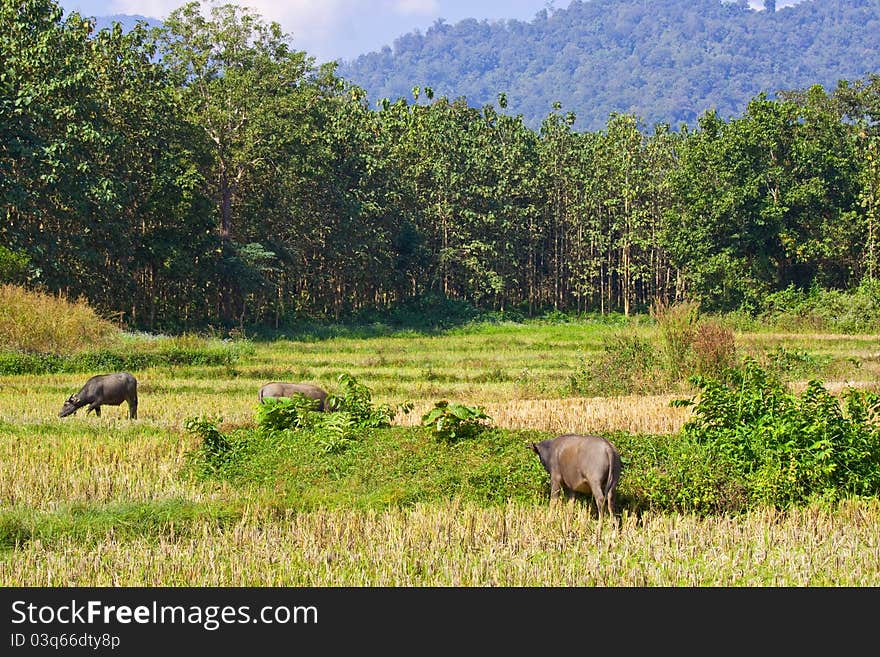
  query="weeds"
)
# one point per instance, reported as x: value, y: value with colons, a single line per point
x: 790, y: 449
x: 451, y: 422
x: 35, y: 322
x: 627, y: 364
x: 631, y: 364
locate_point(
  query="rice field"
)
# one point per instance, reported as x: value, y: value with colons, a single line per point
x: 453, y: 545
x: 83, y: 467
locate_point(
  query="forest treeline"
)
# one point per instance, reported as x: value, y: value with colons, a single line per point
x: 207, y: 173
x: 667, y: 61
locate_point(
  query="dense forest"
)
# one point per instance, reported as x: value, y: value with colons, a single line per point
x: 667, y: 61
x: 207, y: 173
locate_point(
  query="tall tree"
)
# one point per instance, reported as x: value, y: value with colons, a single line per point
x: 252, y: 95
x: 98, y: 185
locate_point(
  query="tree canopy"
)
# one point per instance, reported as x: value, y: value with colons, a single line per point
x: 206, y: 173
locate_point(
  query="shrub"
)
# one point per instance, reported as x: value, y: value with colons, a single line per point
x: 713, y: 348
x: 790, y: 449
x: 676, y: 473
x: 279, y: 414
x: 338, y: 432
x: 677, y: 324
x: 627, y: 364
x: 852, y: 311
x: 450, y: 422
x: 356, y: 400
x: 216, y: 449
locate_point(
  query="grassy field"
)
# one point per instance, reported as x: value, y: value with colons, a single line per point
x: 108, y: 501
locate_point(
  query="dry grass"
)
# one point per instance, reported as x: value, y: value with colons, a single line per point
x: 633, y: 413
x: 455, y: 545
x: 165, y: 399
x: 92, y: 463
x: 50, y: 464
x: 37, y: 322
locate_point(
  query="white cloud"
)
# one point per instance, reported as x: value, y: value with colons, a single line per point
x: 325, y: 29
x: 152, y: 8
x: 416, y: 7
x: 759, y: 4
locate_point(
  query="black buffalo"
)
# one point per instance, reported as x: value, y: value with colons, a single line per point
x: 104, y: 389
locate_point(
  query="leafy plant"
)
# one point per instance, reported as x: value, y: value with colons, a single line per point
x: 216, y: 449
x: 790, y: 448
x: 356, y: 400
x: 337, y: 433
x: 451, y: 422
x: 278, y: 414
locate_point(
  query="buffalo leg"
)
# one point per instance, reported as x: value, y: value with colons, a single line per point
x: 555, y: 487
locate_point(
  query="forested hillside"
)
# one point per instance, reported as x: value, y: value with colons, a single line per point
x: 662, y: 60
x: 209, y: 174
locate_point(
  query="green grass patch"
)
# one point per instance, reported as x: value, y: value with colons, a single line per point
x: 380, y: 467
x: 132, y: 356
x: 398, y: 467
x: 121, y: 521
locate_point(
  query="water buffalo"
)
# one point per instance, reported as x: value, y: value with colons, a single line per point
x: 583, y: 464
x: 276, y: 389
x: 109, y: 389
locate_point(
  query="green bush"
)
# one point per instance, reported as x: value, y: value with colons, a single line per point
x: 627, y: 364
x: 280, y: 414
x: 675, y: 473
x: 789, y: 448
x: 216, y: 449
x: 13, y: 265
x: 356, y: 400
x: 816, y: 309
x: 450, y: 422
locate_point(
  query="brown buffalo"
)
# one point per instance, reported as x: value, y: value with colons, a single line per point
x: 582, y: 464
x: 289, y: 390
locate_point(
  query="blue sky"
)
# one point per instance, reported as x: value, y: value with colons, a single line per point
x: 344, y: 29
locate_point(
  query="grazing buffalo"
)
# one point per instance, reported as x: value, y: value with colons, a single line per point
x: 583, y: 464
x: 109, y: 389
x: 289, y: 390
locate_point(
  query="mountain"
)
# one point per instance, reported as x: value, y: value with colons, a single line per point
x: 666, y: 61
